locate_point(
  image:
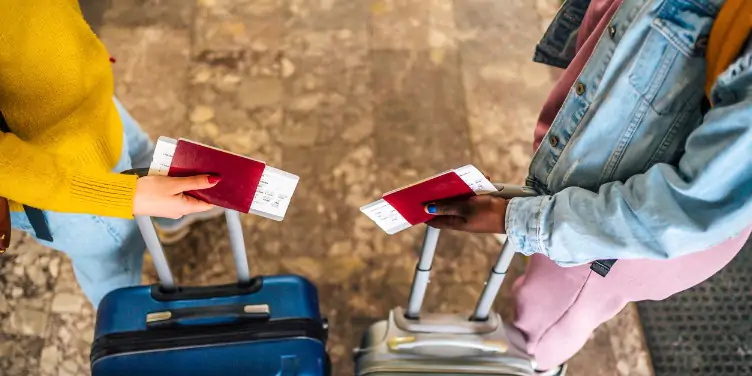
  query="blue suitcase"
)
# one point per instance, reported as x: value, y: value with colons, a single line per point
x: 258, y: 326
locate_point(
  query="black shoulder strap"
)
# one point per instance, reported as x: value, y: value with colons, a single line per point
x: 36, y: 216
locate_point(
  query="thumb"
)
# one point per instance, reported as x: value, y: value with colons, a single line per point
x: 455, y: 208
x: 194, y: 183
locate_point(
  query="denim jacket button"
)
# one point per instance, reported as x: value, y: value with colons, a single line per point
x: 553, y: 140
x: 611, y: 31
x: 580, y: 88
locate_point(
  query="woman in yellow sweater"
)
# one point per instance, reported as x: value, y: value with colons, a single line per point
x: 67, y: 141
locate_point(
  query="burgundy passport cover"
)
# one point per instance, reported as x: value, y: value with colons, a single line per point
x: 410, y: 201
x: 240, y: 175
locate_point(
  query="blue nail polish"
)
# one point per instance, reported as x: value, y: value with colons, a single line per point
x: 431, y: 208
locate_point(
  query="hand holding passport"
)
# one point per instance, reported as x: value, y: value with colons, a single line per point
x: 161, y: 196
x: 247, y: 185
x: 404, y: 207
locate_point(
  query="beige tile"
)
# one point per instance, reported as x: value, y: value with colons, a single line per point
x: 68, y: 344
x: 49, y: 360
x: 176, y: 14
x: 238, y: 115
x: 70, y: 328
x: 27, y: 275
x: 19, y: 355
x: 325, y: 14
x: 420, y: 116
x: 27, y: 321
x: 234, y: 25
x: 508, y: 14
x: 442, y: 31
x: 400, y: 24
x: 66, y: 302
x: 151, y: 75
x: 327, y: 96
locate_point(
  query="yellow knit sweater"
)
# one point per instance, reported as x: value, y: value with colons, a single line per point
x: 56, y: 91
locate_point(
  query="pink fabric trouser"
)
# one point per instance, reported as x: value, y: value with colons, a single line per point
x: 558, y: 308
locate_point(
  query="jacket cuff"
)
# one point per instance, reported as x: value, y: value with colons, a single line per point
x: 523, y: 224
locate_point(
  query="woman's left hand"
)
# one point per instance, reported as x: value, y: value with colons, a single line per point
x: 480, y: 214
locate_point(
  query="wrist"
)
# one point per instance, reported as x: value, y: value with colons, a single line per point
x: 501, y: 206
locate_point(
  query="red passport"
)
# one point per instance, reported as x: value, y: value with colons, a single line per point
x: 411, y: 200
x: 240, y: 174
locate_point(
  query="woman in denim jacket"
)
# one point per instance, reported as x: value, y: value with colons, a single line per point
x: 632, y: 163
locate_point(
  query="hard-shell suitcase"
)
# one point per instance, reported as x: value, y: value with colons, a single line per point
x: 258, y: 326
x: 413, y: 343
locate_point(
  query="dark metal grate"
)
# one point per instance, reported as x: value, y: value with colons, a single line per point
x: 706, y: 330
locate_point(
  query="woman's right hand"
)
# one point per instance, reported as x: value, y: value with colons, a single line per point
x: 162, y: 196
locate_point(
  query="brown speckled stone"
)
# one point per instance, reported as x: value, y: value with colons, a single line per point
x: 19, y: 355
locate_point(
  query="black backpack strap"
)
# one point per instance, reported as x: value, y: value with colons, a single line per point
x: 36, y: 217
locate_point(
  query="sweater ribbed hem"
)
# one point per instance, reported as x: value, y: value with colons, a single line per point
x: 108, y: 194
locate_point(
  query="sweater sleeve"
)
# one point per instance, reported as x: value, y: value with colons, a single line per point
x: 42, y: 180
x: 56, y: 90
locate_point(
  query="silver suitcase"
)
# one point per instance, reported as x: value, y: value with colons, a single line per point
x: 413, y: 343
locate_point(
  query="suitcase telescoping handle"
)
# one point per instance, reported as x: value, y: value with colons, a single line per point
x: 495, y: 278
x: 166, y: 280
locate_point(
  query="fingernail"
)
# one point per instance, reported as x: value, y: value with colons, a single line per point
x: 431, y: 208
x: 214, y: 179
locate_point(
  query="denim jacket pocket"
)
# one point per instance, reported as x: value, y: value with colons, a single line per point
x: 670, y: 65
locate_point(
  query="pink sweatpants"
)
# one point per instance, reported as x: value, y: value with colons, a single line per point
x: 558, y: 308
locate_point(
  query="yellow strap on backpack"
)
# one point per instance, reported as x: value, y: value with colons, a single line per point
x: 730, y: 30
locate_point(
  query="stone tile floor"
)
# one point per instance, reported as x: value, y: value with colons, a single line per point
x: 355, y: 96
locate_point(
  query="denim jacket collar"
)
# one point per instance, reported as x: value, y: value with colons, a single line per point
x: 557, y: 47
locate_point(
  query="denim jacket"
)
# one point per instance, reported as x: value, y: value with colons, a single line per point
x: 634, y: 164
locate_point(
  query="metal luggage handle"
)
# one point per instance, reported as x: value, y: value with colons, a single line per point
x: 495, y: 278
x: 237, y: 311
x: 397, y: 344
x: 149, y: 233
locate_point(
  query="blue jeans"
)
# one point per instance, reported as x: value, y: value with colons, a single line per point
x: 107, y: 253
